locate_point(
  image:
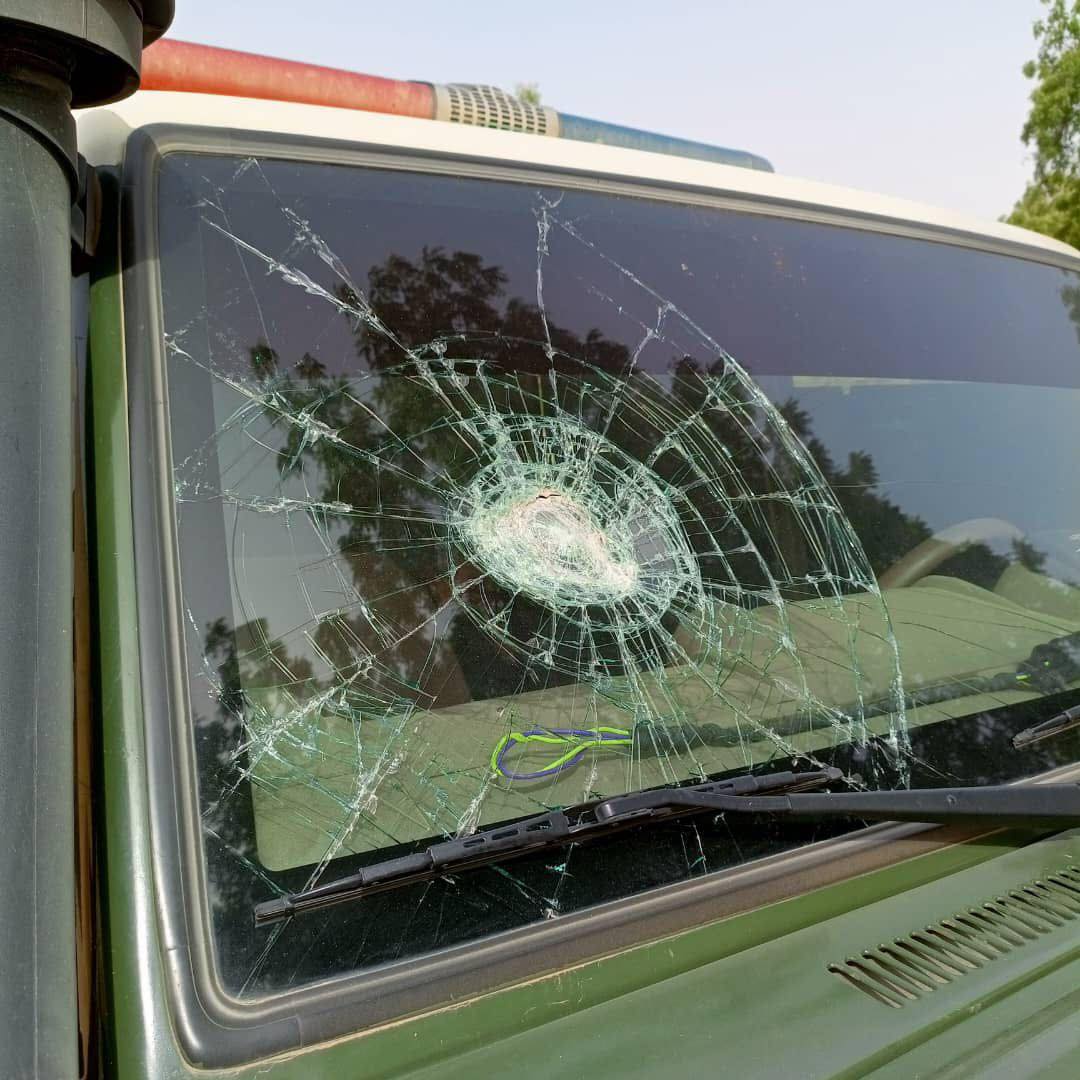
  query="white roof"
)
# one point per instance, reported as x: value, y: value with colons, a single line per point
x: 103, y: 132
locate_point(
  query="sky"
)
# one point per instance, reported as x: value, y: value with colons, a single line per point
x: 923, y: 100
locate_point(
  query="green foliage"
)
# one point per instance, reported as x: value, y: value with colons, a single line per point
x: 1051, y: 206
x: 527, y: 93
x: 1053, y: 126
x: 1051, y: 202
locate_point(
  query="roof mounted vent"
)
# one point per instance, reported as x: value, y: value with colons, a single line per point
x: 491, y: 107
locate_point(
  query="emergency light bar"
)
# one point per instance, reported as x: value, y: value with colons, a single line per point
x: 206, y: 69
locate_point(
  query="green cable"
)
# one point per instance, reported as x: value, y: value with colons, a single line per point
x: 576, y: 740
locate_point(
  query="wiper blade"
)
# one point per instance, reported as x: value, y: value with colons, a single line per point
x: 560, y: 828
x: 1047, y: 806
x: 1064, y: 721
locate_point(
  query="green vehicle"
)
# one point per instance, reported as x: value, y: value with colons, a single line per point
x: 548, y: 600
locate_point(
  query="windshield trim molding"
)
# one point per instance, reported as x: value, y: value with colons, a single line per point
x: 215, y: 1028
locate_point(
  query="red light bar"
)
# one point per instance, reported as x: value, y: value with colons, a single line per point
x: 205, y: 69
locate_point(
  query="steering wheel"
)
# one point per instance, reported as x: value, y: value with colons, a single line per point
x: 932, y: 552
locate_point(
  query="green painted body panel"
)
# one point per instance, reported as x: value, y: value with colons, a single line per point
x: 748, y: 995
x: 136, y: 1022
x: 774, y: 1010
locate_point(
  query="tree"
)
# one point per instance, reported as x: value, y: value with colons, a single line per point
x: 1051, y: 202
x: 527, y: 93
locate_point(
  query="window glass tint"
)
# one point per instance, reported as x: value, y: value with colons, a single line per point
x: 493, y: 498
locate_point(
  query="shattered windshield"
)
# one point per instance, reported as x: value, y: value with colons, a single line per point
x: 493, y: 498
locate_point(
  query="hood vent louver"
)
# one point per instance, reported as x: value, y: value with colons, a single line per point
x: 491, y: 107
x: 900, y: 972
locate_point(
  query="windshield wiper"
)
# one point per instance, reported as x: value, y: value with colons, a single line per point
x: 1064, y: 721
x: 1047, y: 806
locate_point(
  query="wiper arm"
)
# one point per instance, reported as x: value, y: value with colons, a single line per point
x: 1047, y: 806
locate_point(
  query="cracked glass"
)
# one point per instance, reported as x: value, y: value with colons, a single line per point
x: 493, y: 498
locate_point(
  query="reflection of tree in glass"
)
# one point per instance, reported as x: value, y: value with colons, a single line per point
x: 887, y: 532
x: 1070, y: 297
x: 445, y: 305
x: 455, y: 300
x: 245, y: 667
